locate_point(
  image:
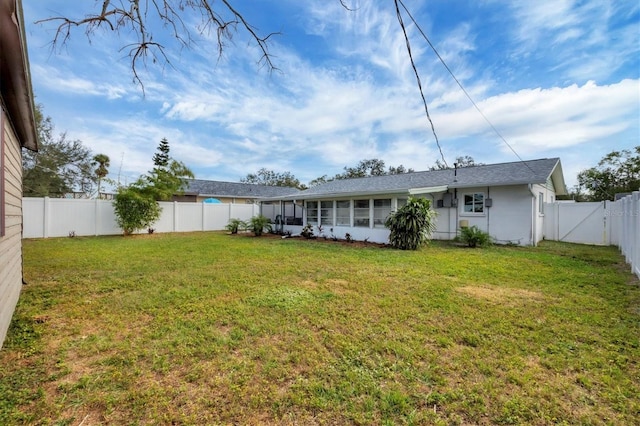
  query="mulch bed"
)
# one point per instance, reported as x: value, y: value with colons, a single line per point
x: 317, y: 240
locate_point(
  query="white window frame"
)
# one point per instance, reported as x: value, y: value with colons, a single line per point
x: 475, y: 204
x: 326, y: 213
x: 340, y: 219
x: 359, y: 220
x: 312, y: 218
x: 540, y: 202
x: 380, y: 213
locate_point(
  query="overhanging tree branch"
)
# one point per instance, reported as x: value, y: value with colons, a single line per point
x: 138, y: 15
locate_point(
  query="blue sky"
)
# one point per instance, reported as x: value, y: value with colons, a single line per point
x: 557, y: 78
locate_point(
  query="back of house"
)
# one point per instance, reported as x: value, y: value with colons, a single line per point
x: 17, y: 131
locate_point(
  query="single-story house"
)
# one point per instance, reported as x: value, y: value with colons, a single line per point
x: 17, y: 131
x: 506, y: 200
x: 199, y: 190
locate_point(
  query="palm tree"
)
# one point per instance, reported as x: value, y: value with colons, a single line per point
x: 103, y: 163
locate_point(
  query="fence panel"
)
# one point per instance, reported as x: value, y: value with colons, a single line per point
x: 58, y: 217
x: 33, y: 217
x: 189, y: 217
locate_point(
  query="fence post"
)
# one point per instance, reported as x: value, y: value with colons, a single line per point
x: 635, y: 230
x: 96, y: 216
x: 202, y: 216
x: 175, y: 216
x: 45, y: 217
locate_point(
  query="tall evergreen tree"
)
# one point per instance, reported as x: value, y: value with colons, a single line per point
x: 161, y: 157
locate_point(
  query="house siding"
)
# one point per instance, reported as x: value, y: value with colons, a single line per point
x: 11, y: 241
x: 503, y: 220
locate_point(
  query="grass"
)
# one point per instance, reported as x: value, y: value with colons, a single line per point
x: 207, y: 328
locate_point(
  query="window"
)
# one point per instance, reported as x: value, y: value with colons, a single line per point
x: 381, y: 209
x: 474, y: 203
x: 540, y: 202
x: 343, y: 217
x: 361, y: 213
x: 312, y: 212
x: 326, y: 213
x: 401, y: 202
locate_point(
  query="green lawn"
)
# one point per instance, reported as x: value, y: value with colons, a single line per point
x: 208, y: 328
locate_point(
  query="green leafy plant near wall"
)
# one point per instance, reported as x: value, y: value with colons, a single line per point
x: 411, y: 225
x: 236, y: 224
x: 258, y: 224
x: 474, y: 237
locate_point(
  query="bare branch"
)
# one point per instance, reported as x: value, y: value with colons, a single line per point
x: 262, y: 42
x: 344, y: 4
x: 171, y: 14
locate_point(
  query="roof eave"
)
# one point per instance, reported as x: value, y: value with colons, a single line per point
x: 557, y: 177
x: 341, y: 194
x: 15, y: 78
x: 492, y: 184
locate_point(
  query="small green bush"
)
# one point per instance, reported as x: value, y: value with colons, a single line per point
x: 235, y: 224
x: 258, y: 224
x: 474, y: 237
x: 134, y: 210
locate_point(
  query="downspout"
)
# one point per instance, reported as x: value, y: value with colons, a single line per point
x: 455, y: 197
x: 533, y: 215
x: 488, y: 212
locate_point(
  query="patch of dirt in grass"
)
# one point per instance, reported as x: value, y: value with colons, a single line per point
x: 502, y: 295
x: 335, y: 286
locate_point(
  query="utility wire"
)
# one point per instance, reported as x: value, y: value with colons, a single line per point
x: 452, y: 75
x: 415, y: 70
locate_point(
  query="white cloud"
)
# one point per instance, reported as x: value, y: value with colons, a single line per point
x: 550, y: 118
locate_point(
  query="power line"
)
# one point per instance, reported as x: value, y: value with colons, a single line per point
x: 454, y: 77
x: 415, y: 70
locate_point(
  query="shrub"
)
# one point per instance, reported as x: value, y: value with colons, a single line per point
x: 258, y: 224
x: 235, y: 224
x: 411, y: 225
x: 474, y: 237
x: 134, y: 211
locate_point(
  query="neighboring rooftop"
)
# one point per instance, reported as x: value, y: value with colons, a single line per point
x: 214, y: 188
x: 501, y: 174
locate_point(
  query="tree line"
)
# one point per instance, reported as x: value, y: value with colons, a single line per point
x: 63, y: 166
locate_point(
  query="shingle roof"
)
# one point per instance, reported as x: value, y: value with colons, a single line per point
x: 533, y: 171
x: 213, y: 188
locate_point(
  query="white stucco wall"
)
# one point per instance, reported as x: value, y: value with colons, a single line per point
x: 513, y: 217
x: 508, y: 220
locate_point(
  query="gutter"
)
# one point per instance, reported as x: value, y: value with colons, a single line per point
x: 15, y: 77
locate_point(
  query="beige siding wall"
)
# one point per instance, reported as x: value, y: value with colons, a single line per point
x: 11, y: 242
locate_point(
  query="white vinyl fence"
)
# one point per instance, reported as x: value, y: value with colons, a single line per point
x: 583, y: 223
x: 603, y: 223
x: 626, y: 223
x: 59, y: 217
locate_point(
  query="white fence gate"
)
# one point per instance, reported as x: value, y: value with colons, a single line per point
x: 59, y: 217
x: 583, y: 223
